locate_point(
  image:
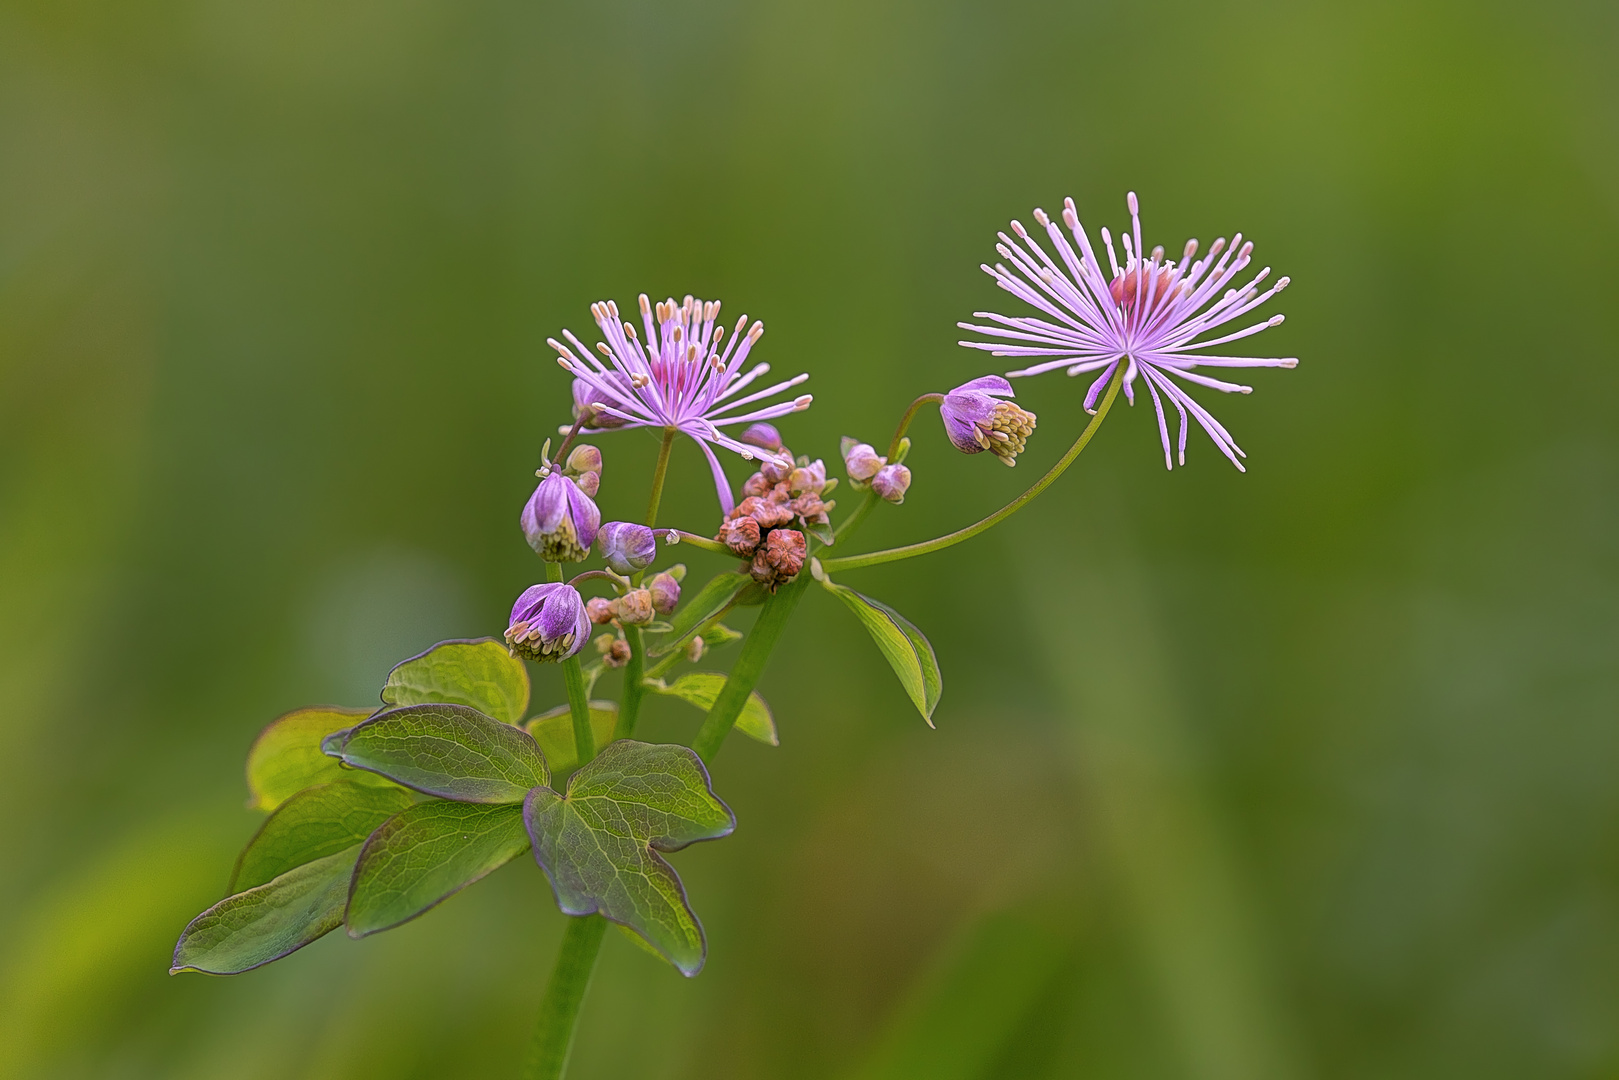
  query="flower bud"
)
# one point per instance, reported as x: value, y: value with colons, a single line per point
x: 976, y: 422
x: 626, y: 546
x: 755, y: 485
x: 741, y: 535
x: 891, y: 481
x: 768, y: 512
x: 585, y: 458
x: 810, y: 478
x: 548, y: 623
x: 780, y: 557
x: 695, y: 649
x: 589, y: 483
x: 587, y: 396
x: 599, y: 610
x: 634, y: 608
x: 778, y: 468
x: 559, y: 520
x: 665, y: 592
x: 614, y: 650
x: 764, y: 436
x: 861, y: 462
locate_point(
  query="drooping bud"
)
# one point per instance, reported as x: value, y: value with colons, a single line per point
x: 587, y: 396
x: 614, y: 650
x: 861, y: 462
x: 626, y: 546
x: 741, y: 535
x: 975, y: 421
x: 548, y: 623
x: 780, y: 558
x: 695, y: 649
x: 599, y: 610
x: 665, y: 592
x: 764, y: 436
x: 634, y: 608
x: 891, y: 481
x: 559, y: 520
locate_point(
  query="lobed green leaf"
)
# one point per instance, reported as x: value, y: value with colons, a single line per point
x: 424, y: 855
x: 286, y: 757
x: 450, y: 751
x: 599, y: 844
x: 553, y: 730
x: 265, y: 923
x: 905, y: 647
x: 318, y: 821
x: 701, y: 688
x: 479, y: 674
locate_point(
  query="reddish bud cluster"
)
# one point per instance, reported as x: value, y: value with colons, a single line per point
x: 779, y: 501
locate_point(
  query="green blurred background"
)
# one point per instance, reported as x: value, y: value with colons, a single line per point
x: 1303, y: 773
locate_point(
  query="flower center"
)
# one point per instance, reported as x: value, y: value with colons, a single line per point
x: 1150, y: 289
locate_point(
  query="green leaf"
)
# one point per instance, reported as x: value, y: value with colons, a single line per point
x: 599, y: 845
x: 267, y: 922
x: 286, y: 756
x: 426, y: 854
x: 553, y: 730
x: 715, y: 633
x: 446, y: 750
x: 318, y: 821
x: 479, y: 674
x: 902, y: 645
x: 701, y: 688
x: 702, y: 606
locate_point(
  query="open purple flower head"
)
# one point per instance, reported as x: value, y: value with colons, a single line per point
x: 976, y: 421
x: 1147, y: 316
x: 548, y: 623
x: 559, y: 520
x: 685, y: 376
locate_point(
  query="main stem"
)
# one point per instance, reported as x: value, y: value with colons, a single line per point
x: 635, y: 670
x: 773, y: 619
x: 855, y: 562
x: 559, y: 1012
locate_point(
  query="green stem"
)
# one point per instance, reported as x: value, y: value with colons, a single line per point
x: 702, y: 542
x: 559, y: 1012
x: 658, y: 473
x: 905, y: 421
x: 874, y: 558
x: 584, y: 742
x: 634, y: 671
x: 749, y: 666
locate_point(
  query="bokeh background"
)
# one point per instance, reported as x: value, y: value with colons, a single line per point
x: 1303, y: 773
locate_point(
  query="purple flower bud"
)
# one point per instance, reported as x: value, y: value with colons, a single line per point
x: 665, y: 592
x: 548, y: 623
x: 560, y: 521
x: 586, y: 396
x: 861, y: 463
x: 976, y: 422
x: 764, y: 436
x: 891, y: 481
x: 615, y: 651
x: 600, y: 610
x: 626, y: 546
x: 811, y: 477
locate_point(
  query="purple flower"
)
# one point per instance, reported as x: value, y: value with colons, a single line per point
x: 679, y: 378
x: 626, y: 546
x: 1146, y: 316
x: 559, y: 520
x: 975, y: 421
x: 548, y: 623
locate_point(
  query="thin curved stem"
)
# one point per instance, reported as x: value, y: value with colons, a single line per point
x: 905, y: 421
x: 619, y: 583
x: 559, y: 1011
x: 874, y: 558
x: 573, y: 433
x: 703, y: 543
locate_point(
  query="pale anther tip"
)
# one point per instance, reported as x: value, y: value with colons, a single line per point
x: 672, y: 538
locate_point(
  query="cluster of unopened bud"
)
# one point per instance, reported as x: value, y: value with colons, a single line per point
x: 640, y: 605
x: 614, y: 650
x: 584, y: 467
x: 868, y: 469
x: 780, y: 502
